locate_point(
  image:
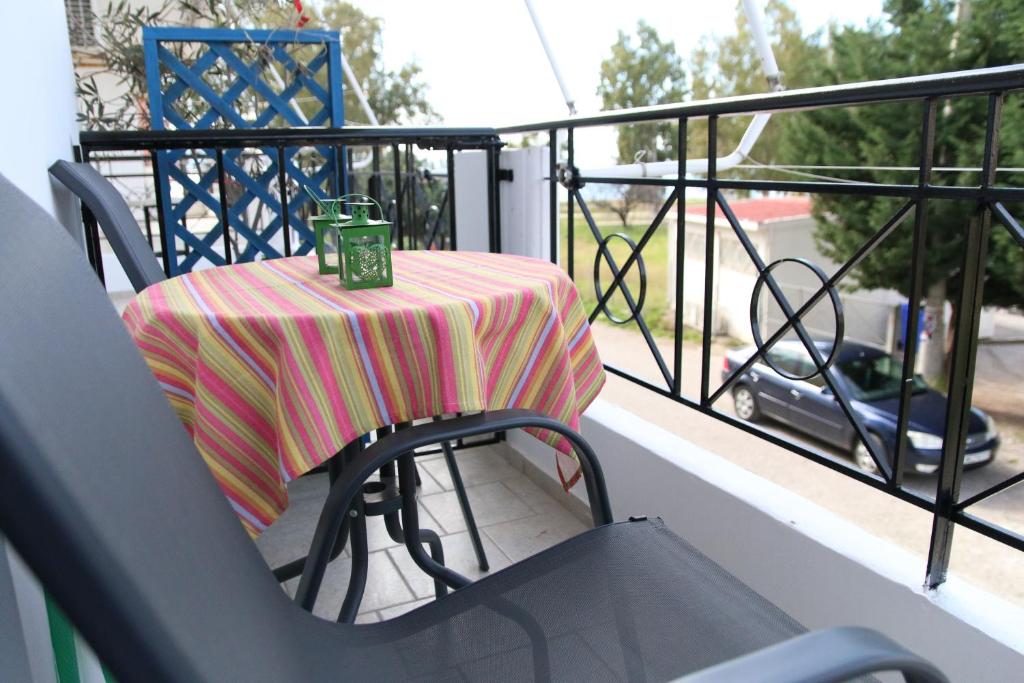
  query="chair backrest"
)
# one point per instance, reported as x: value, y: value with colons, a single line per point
x: 102, y: 491
x: 115, y: 219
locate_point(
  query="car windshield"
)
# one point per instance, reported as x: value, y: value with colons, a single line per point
x: 874, y: 378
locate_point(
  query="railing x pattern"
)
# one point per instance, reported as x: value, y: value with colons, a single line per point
x: 988, y: 200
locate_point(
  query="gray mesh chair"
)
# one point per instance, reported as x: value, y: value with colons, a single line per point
x: 105, y: 497
x: 115, y: 219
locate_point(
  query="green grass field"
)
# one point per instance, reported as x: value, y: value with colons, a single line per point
x: 656, y: 311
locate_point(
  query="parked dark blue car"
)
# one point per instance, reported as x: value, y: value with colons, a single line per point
x: 870, y: 377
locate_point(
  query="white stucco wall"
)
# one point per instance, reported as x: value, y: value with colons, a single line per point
x: 525, y: 202
x: 37, y: 123
x: 37, y: 127
x: 868, y: 312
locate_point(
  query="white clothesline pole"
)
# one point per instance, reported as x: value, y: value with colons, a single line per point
x: 353, y: 83
x: 569, y: 101
x: 755, y: 17
x: 699, y: 166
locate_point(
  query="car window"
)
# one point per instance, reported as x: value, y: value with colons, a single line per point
x: 876, y: 377
x: 795, y: 361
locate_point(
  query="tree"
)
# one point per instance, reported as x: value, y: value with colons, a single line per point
x: 918, y: 39
x: 650, y: 72
x: 730, y: 65
x: 395, y: 96
x: 119, y: 37
x: 629, y: 197
x: 640, y: 74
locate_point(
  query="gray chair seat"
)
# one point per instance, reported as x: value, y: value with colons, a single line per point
x: 627, y: 601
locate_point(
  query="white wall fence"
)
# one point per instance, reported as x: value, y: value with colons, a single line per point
x: 869, y: 319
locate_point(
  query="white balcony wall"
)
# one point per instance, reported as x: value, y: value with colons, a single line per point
x: 37, y: 127
x: 37, y: 123
x: 525, y: 221
x: 471, y: 201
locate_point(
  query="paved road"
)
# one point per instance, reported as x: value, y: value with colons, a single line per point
x: 976, y: 558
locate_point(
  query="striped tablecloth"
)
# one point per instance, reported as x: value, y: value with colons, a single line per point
x: 273, y: 368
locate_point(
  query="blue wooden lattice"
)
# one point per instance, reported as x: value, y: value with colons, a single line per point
x: 216, y: 78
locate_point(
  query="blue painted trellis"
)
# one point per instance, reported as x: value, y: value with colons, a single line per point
x: 173, y: 84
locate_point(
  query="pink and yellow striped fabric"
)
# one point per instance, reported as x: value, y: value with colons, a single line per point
x: 273, y: 368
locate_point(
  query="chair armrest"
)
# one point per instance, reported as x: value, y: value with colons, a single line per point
x: 388, y: 449
x: 824, y: 656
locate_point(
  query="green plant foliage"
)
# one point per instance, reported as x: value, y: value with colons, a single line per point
x: 394, y: 96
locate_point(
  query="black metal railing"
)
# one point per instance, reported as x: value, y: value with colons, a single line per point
x: 914, y: 198
x: 424, y: 217
x: 421, y: 204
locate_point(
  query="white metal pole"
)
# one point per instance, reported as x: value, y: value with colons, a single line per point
x: 569, y: 101
x: 755, y: 17
x: 353, y: 82
x: 665, y: 168
x: 360, y: 95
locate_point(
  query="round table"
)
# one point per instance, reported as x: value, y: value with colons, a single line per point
x: 274, y: 368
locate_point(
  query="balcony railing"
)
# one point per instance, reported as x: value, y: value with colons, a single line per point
x: 914, y: 202
x: 214, y: 165
x: 989, y: 199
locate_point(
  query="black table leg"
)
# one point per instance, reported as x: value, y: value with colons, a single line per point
x: 410, y: 520
x: 467, y: 511
x: 334, y: 466
x: 360, y: 564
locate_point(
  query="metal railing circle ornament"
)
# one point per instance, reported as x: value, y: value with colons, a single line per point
x: 837, y: 307
x: 602, y: 252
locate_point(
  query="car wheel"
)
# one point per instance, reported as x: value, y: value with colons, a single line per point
x: 862, y: 458
x: 745, y: 404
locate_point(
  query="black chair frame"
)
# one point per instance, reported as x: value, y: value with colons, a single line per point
x: 344, y: 501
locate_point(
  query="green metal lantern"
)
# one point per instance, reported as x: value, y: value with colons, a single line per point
x: 326, y: 233
x: 325, y: 228
x: 364, y: 246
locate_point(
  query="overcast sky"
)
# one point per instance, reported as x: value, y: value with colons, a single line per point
x: 485, y: 65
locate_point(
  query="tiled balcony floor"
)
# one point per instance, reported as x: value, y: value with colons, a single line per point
x: 516, y: 518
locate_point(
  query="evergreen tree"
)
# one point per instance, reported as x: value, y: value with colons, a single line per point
x: 918, y: 37
x: 647, y: 71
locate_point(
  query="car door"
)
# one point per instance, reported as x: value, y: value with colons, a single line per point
x: 772, y: 390
x: 812, y: 405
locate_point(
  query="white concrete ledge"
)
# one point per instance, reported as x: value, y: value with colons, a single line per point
x: 820, y: 568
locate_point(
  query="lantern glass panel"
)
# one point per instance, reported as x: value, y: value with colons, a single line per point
x: 367, y: 256
x: 328, y: 247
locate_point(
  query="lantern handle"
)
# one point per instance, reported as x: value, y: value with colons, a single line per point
x: 319, y: 202
x: 380, y: 211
